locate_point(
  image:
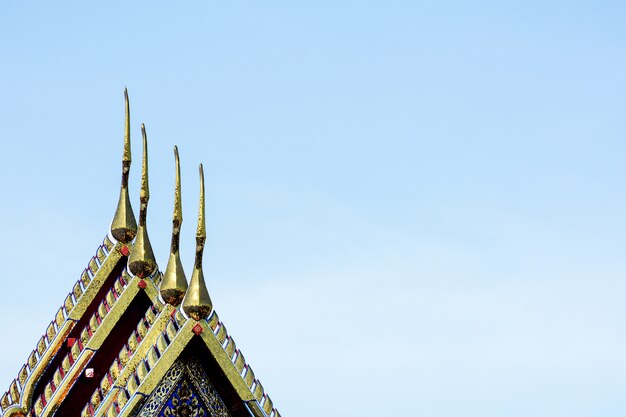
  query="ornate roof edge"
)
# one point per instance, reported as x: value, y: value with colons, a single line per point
x: 164, y: 347
x: 194, y: 317
x: 74, y: 306
x: 92, y: 344
x: 211, y: 331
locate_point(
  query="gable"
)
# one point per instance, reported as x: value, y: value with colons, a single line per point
x: 184, y: 391
x: 129, y: 339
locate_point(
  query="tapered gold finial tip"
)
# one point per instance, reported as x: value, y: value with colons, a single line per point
x: 201, y: 232
x: 145, y: 191
x: 178, y: 209
x: 197, y: 303
x: 142, y: 262
x: 124, y: 226
x: 174, y: 284
x: 126, y: 156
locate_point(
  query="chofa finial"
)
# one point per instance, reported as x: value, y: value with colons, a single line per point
x: 124, y: 226
x: 141, y: 261
x: 126, y: 156
x: 174, y: 284
x: 197, y: 303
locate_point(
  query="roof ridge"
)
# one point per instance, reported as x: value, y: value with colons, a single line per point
x: 39, y: 357
x: 121, y: 399
x: 154, y: 320
x: 105, y: 291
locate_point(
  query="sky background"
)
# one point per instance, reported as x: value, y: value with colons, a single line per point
x: 413, y: 208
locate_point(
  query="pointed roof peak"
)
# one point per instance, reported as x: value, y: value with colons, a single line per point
x: 178, y: 207
x: 142, y: 262
x: 201, y: 232
x: 108, y: 304
x: 174, y: 283
x: 127, y: 155
x: 145, y: 190
x: 124, y: 226
x: 197, y: 303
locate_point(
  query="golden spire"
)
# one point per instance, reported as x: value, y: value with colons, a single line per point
x: 124, y: 226
x: 197, y: 304
x: 141, y: 261
x: 174, y: 284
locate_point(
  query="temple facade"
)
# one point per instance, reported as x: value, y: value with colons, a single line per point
x: 132, y: 341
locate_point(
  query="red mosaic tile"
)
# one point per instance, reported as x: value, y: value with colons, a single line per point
x: 197, y: 329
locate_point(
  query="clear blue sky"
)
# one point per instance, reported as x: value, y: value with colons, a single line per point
x: 414, y: 208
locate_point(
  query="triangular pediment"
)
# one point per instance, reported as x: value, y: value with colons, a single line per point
x: 184, y: 391
x: 132, y: 341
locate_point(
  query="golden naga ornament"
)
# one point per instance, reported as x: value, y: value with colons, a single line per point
x: 141, y: 261
x: 174, y: 284
x: 197, y: 303
x: 124, y: 226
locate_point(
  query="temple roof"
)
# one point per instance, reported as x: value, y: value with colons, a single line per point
x: 128, y: 340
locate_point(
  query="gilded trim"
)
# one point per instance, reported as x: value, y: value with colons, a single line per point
x: 75, y: 305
